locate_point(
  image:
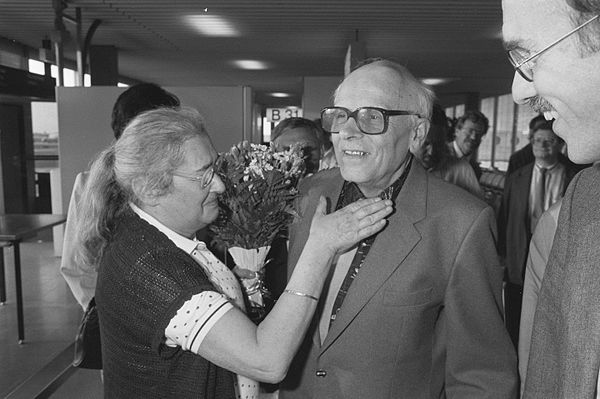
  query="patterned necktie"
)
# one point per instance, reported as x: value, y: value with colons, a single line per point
x: 225, y: 281
x: 539, y: 199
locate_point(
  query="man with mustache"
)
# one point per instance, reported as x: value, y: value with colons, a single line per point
x: 554, y: 46
x: 416, y: 310
x: 470, y: 129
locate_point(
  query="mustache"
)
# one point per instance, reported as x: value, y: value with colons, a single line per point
x: 539, y: 105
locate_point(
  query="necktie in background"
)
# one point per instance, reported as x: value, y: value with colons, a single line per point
x: 226, y: 282
x: 539, y: 198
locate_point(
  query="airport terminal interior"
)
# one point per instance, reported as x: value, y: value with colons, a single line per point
x: 245, y: 65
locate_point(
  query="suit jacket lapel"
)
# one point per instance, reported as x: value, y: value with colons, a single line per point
x: 523, y: 187
x: 389, y: 250
x: 331, y: 189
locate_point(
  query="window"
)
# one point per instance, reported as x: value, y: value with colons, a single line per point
x: 504, y: 131
x: 69, y: 75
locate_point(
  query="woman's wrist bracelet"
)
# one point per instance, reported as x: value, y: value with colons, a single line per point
x: 298, y: 293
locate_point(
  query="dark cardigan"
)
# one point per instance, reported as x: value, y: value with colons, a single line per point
x: 143, y: 280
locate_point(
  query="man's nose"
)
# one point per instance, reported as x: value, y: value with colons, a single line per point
x: 522, y: 90
x: 350, y: 129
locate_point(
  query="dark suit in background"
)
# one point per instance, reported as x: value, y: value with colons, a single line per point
x: 514, y: 232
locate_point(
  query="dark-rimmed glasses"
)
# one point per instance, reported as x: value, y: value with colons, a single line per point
x: 205, y: 179
x: 370, y: 120
x: 523, y: 64
x: 543, y: 142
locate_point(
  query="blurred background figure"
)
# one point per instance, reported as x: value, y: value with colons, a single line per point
x: 301, y: 131
x: 133, y: 101
x: 470, y: 129
x: 436, y: 158
x: 528, y: 192
x: 525, y: 155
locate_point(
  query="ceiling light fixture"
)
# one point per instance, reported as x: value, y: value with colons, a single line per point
x: 211, y: 25
x: 280, y: 95
x: 250, y: 64
x: 436, y: 81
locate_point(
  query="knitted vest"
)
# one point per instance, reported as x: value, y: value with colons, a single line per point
x: 143, y: 279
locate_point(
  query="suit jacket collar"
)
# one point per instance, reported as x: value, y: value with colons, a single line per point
x: 389, y: 250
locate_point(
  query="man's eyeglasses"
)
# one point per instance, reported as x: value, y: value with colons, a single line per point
x: 543, y: 142
x: 205, y: 179
x: 524, y: 65
x: 370, y: 120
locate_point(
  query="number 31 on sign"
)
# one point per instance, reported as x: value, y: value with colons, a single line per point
x: 278, y: 114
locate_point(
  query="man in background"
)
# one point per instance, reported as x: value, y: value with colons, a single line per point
x: 525, y: 155
x: 554, y: 46
x: 303, y: 132
x: 470, y: 129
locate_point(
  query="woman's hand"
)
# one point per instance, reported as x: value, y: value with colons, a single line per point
x: 342, y: 229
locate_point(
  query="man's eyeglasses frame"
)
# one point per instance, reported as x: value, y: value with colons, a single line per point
x: 527, y: 73
x: 353, y: 114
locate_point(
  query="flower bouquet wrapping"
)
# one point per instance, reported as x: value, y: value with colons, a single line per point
x: 257, y: 205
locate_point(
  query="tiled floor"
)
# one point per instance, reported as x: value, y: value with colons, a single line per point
x: 51, y: 319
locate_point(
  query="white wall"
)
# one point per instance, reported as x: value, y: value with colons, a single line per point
x: 318, y: 93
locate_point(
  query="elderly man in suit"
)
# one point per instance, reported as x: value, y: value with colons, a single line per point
x: 414, y: 311
x: 554, y: 48
x: 528, y: 192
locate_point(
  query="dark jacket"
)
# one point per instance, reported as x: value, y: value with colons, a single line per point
x: 514, y: 226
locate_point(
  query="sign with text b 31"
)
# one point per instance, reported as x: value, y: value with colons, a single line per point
x: 276, y: 115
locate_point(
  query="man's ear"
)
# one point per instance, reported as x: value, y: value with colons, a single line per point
x: 418, y: 135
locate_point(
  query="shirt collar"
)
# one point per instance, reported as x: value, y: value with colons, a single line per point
x: 459, y: 153
x: 548, y: 168
x: 180, y: 241
x: 351, y: 192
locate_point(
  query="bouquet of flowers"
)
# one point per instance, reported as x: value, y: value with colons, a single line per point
x: 257, y: 204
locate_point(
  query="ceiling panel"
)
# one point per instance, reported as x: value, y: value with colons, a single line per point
x: 458, y: 39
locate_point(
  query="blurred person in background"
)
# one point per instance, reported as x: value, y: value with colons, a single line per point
x: 303, y: 132
x: 469, y: 130
x: 436, y: 158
